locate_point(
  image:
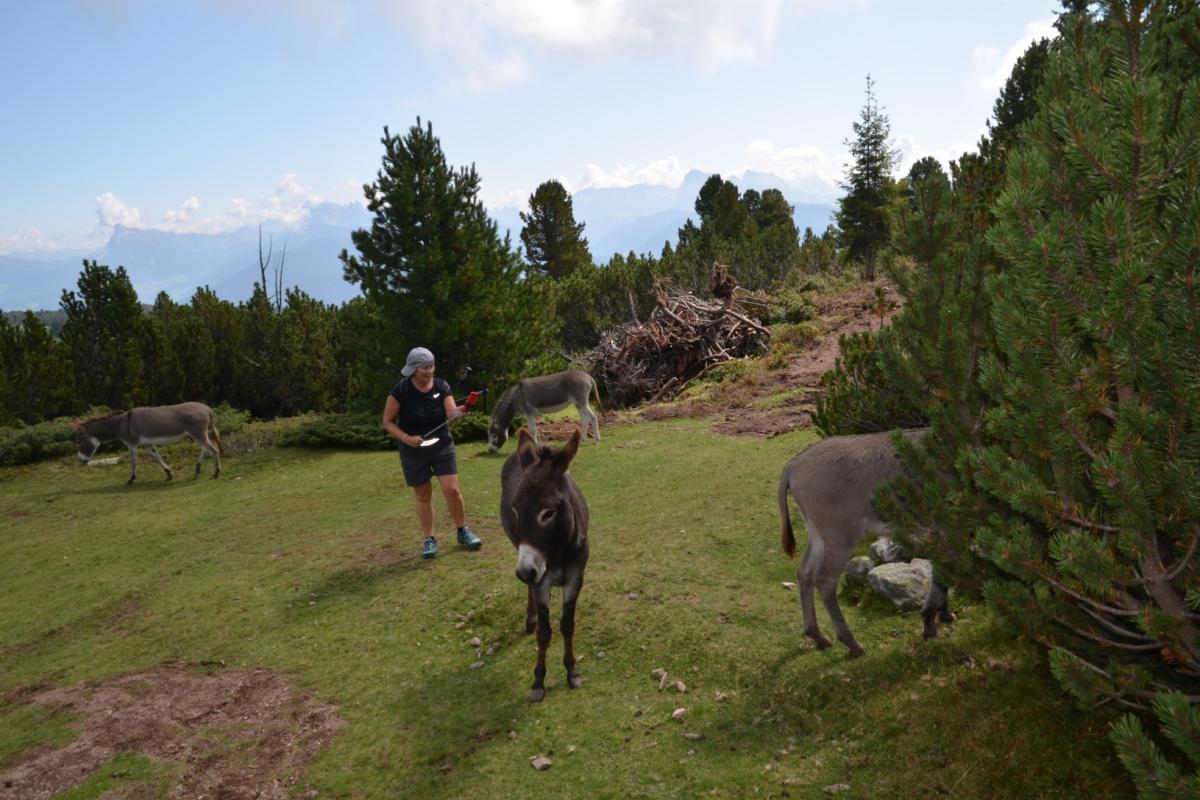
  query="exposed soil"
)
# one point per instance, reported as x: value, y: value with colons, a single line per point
x: 232, y: 734
x: 734, y: 408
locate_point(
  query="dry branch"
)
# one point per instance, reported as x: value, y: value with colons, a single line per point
x: 683, y: 338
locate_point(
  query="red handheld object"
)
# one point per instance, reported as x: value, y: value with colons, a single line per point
x: 472, y: 399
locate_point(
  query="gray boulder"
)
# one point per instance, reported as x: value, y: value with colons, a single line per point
x: 886, y: 551
x: 857, y: 569
x: 906, y: 585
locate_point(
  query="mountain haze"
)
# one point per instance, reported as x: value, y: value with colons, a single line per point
x: 639, y: 219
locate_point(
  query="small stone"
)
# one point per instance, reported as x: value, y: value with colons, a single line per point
x: 540, y: 763
x: 680, y: 687
x: 571, y: 749
x: 446, y: 766
x: 600, y: 654
x: 477, y: 665
x: 489, y: 651
x: 791, y: 587
x: 512, y: 735
x: 632, y: 595
x: 691, y: 752
x: 658, y: 674
x: 476, y: 642
x: 722, y: 697
x: 459, y: 625
x: 694, y: 736
x: 834, y: 788
x: 678, y: 714
x: 663, y: 681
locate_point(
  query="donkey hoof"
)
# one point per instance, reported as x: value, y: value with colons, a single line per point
x: 537, y: 695
x: 857, y: 652
x: 530, y: 625
x: 574, y: 681
x: 947, y: 617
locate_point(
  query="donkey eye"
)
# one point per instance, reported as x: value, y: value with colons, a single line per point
x: 546, y: 516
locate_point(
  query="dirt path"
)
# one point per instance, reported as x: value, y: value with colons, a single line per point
x: 232, y: 734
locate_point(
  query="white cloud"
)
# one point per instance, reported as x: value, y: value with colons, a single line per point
x: 112, y: 212
x: 494, y: 41
x: 796, y: 163
x: 991, y: 68
x: 663, y: 172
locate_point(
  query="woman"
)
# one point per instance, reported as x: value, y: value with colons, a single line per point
x: 416, y: 406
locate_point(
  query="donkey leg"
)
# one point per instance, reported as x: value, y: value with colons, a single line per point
x: 538, y: 691
x: 530, y: 612
x: 199, y: 460
x: 531, y: 423
x: 570, y: 595
x: 936, y: 609
x: 806, y: 580
x: 161, y: 463
x: 590, y: 423
x: 132, y: 464
x: 828, y: 586
x: 213, y: 450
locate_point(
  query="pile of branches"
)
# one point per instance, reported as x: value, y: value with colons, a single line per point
x: 683, y: 339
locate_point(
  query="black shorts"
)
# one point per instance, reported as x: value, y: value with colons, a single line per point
x: 422, y: 463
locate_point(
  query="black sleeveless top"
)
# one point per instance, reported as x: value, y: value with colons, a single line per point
x: 422, y: 411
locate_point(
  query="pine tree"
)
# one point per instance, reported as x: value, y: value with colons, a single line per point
x: 103, y: 334
x: 1094, y: 387
x: 863, y: 211
x: 554, y: 242
x: 437, y: 270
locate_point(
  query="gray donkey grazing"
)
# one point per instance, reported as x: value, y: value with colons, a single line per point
x: 833, y: 482
x: 546, y: 393
x: 150, y: 426
x: 546, y: 518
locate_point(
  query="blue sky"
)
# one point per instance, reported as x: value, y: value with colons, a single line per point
x: 204, y: 116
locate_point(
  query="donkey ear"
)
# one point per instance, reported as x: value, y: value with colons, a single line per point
x: 567, y: 454
x: 527, y: 449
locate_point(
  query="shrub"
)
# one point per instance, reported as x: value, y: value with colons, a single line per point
x: 30, y: 443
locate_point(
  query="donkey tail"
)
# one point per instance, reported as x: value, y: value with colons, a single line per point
x: 212, y: 423
x: 787, y: 537
x: 596, y: 395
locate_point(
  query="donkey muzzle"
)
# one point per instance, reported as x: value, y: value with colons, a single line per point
x: 531, y: 564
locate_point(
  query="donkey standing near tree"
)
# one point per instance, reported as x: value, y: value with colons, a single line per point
x: 150, y: 426
x: 546, y: 394
x: 833, y: 482
x: 546, y: 518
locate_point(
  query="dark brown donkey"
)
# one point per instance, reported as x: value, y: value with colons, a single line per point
x: 150, y: 426
x: 546, y: 519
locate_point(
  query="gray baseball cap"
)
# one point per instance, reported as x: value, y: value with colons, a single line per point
x: 417, y: 357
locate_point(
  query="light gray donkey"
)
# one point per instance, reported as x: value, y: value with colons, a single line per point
x: 150, y: 426
x: 833, y: 482
x: 547, y: 393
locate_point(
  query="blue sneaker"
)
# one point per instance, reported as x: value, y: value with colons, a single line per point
x: 431, y: 548
x: 468, y: 539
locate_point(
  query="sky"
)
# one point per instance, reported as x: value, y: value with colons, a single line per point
x: 206, y: 115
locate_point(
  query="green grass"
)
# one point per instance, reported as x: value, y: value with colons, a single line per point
x: 308, y: 563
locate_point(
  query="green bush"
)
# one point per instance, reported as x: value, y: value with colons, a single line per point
x: 30, y: 443
x: 362, y: 431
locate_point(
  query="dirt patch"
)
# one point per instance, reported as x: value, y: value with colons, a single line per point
x: 736, y: 407
x: 234, y: 734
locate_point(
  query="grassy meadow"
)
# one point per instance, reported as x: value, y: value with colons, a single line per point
x: 307, y: 563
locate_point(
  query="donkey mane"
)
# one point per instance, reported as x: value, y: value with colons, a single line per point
x: 100, y: 417
x: 504, y: 406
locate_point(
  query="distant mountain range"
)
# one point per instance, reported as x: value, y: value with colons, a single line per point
x: 637, y: 218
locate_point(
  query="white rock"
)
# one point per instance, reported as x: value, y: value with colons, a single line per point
x: 791, y: 587
x: 678, y: 714
x: 476, y: 642
x: 658, y: 674
x: 477, y: 665
x: 680, y: 687
x: 540, y: 763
